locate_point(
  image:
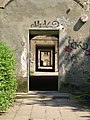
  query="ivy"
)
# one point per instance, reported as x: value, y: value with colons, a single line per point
x: 8, y: 84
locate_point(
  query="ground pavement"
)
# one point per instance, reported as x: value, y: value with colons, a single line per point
x: 46, y: 108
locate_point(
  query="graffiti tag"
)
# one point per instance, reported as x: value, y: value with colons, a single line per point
x: 52, y: 24
x: 73, y: 44
x: 87, y: 5
x: 64, y: 21
x: 67, y: 49
x: 71, y: 58
x: 87, y: 52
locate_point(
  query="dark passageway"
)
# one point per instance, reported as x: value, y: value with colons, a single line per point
x: 43, y: 83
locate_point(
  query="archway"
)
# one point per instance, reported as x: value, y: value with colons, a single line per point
x: 44, y: 50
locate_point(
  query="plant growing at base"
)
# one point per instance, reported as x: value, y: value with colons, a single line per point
x: 8, y: 84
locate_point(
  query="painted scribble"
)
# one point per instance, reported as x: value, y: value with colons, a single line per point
x: 63, y: 20
x: 70, y: 54
x: 75, y: 45
x: 87, y: 5
x: 87, y: 52
x: 45, y: 24
x: 72, y: 58
x: 67, y: 49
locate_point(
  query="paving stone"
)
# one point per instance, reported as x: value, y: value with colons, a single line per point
x: 83, y: 115
x: 7, y: 117
x: 24, y: 110
x: 67, y: 113
x: 46, y: 109
x: 21, y: 118
x: 38, y: 111
x: 52, y: 112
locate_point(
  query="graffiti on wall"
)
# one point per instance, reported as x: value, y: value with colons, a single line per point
x: 71, y: 56
x: 75, y: 45
x: 63, y: 20
x: 67, y: 49
x: 59, y: 22
x: 46, y: 24
x: 87, y: 5
x: 74, y: 59
x: 87, y: 52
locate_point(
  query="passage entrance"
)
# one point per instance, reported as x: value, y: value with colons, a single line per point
x: 43, y: 60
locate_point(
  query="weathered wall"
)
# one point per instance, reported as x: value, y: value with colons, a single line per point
x: 20, y: 15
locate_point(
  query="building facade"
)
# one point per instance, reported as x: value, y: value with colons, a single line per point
x: 51, y: 42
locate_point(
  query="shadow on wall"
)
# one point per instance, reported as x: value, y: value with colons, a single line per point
x: 75, y: 65
x: 22, y: 84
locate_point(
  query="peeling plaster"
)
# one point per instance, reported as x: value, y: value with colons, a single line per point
x: 24, y: 59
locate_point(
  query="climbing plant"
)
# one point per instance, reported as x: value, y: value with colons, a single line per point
x: 8, y: 84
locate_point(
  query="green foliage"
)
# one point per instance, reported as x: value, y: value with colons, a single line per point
x: 8, y: 82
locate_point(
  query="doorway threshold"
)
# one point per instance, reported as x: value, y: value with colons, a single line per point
x: 45, y: 74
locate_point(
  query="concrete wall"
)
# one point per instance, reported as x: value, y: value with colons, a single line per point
x: 19, y: 16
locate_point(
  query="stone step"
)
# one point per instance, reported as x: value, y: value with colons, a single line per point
x: 42, y: 95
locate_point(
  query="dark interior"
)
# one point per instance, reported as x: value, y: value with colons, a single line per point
x: 43, y: 83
